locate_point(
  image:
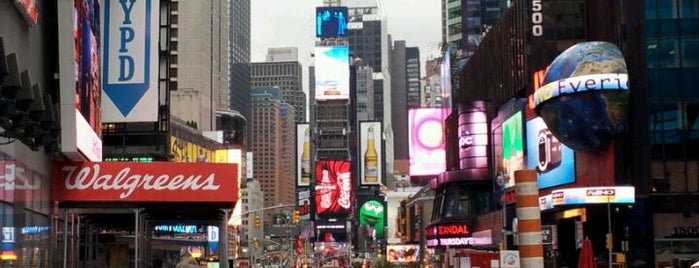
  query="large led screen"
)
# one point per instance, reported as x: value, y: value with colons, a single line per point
x: 79, y: 61
x: 370, y: 155
x: 333, y: 188
x: 445, y: 78
x: 426, y: 141
x: 332, y: 72
x: 553, y: 161
x: 130, y: 61
x: 402, y: 253
x: 331, y: 22
x: 512, y: 149
x: 303, y: 155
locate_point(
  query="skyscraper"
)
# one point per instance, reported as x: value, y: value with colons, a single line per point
x: 465, y: 22
x: 283, y: 70
x: 202, y: 83
x: 405, y: 94
x: 239, y: 59
x: 271, y: 123
x: 369, y: 40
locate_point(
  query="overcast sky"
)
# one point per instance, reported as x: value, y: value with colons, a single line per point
x: 290, y: 23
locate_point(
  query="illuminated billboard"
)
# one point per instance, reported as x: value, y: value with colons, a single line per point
x: 512, y: 148
x: 402, y: 253
x: 331, y: 22
x: 130, y: 61
x: 79, y: 59
x: 333, y: 188
x: 185, y: 151
x: 445, y: 78
x: 303, y: 154
x: 332, y: 72
x: 473, y: 138
x: 304, y: 202
x: 553, y: 161
x: 372, y: 218
x: 426, y: 142
x: 370, y: 155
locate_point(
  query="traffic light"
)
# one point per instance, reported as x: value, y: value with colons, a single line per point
x: 257, y: 221
x: 295, y: 217
x: 610, y: 241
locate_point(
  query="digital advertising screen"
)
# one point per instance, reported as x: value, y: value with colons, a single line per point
x: 130, y: 61
x: 554, y: 162
x: 303, y: 155
x: 331, y: 22
x: 512, y: 148
x: 372, y: 218
x: 370, y: 154
x: 333, y: 188
x: 304, y: 202
x: 445, y: 78
x: 80, y: 88
x: 426, y: 141
x: 402, y: 253
x: 332, y: 72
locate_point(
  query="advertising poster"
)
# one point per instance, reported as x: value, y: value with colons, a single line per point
x: 130, y: 61
x: 304, y: 202
x: 426, y: 141
x: 402, y: 253
x: 332, y: 72
x: 372, y: 218
x: 512, y: 148
x: 333, y: 188
x: 303, y: 155
x: 80, y: 103
x: 370, y: 154
x: 553, y: 161
x: 331, y: 21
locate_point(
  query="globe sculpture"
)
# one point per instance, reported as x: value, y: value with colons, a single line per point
x: 584, y: 97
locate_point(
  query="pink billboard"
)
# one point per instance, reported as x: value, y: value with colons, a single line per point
x: 426, y: 141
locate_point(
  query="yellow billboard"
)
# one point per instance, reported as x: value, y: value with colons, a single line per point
x: 184, y: 151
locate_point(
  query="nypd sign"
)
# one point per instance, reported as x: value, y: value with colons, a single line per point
x: 130, y: 61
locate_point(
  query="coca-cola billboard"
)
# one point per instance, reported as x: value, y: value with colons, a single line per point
x: 139, y: 182
x: 333, y: 188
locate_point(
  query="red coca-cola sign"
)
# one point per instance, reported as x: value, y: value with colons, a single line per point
x: 138, y: 182
x: 333, y: 187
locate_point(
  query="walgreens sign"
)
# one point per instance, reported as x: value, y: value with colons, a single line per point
x: 139, y: 182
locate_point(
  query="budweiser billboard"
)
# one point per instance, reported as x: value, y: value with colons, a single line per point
x: 143, y: 182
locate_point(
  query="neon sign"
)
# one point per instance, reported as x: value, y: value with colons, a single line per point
x: 448, y: 230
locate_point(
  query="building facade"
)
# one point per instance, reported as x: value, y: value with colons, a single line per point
x: 405, y: 93
x: 645, y: 170
x: 239, y: 63
x: 202, y: 72
x: 287, y: 75
x: 252, y: 226
x: 269, y: 126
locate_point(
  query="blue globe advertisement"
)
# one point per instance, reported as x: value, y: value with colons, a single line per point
x: 553, y: 161
x: 584, y: 97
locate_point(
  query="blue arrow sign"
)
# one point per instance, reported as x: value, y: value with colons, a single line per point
x: 127, y: 50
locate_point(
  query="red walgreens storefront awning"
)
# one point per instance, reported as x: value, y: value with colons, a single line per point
x: 144, y: 182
